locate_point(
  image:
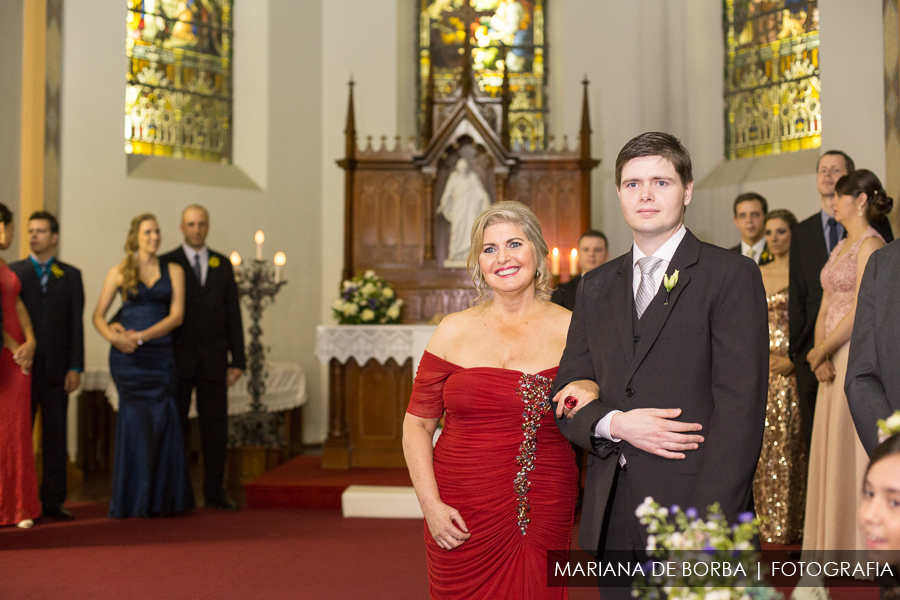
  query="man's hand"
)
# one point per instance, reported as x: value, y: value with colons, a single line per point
x: 583, y: 391
x: 73, y: 380
x: 232, y: 375
x: 653, y: 430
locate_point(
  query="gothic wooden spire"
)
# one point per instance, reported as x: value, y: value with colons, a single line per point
x: 350, y: 129
x: 585, y: 134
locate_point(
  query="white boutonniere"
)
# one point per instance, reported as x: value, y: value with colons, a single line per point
x: 888, y: 427
x: 670, y: 283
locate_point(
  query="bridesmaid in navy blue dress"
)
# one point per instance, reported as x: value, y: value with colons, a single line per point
x: 150, y: 476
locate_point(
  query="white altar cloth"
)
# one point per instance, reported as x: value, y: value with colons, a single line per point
x: 381, y: 342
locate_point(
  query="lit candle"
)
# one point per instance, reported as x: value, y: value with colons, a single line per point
x: 554, y: 262
x: 260, y: 238
x: 236, y: 263
x: 573, y: 262
x: 279, y: 263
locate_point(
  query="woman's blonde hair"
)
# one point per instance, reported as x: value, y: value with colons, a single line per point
x: 521, y: 216
x: 129, y: 266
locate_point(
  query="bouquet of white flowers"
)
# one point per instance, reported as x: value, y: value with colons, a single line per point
x: 888, y: 427
x: 367, y: 299
x: 715, y: 560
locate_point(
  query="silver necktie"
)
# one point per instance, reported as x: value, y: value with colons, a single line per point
x: 646, y: 291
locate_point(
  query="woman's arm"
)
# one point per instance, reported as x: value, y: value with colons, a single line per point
x: 115, y: 336
x: 445, y: 523
x: 176, y: 309
x: 844, y: 329
x: 816, y: 357
x: 24, y: 354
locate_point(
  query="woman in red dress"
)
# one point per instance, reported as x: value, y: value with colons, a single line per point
x: 19, y: 503
x: 498, y: 490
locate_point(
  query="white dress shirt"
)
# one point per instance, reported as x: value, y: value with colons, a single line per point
x: 757, y: 249
x: 665, y: 252
x: 204, y: 261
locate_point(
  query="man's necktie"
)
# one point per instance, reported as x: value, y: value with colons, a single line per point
x: 646, y: 291
x: 832, y: 234
x: 750, y: 252
x: 197, y: 271
x: 45, y: 276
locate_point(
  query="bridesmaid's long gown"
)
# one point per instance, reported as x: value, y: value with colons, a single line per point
x: 150, y: 476
x: 497, y: 424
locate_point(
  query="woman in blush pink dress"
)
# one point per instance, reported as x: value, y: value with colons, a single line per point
x: 837, y: 458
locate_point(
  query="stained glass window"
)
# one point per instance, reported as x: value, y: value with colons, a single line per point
x: 178, y: 83
x: 514, y: 28
x: 771, y: 77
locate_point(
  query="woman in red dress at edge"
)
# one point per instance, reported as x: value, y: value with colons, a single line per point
x: 19, y: 503
x: 498, y: 490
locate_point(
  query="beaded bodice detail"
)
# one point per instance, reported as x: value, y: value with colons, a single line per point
x: 839, y: 278
x: 534, y: 390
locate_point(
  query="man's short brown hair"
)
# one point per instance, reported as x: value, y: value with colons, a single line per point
x: 654, y: 143
x: 751, y: 197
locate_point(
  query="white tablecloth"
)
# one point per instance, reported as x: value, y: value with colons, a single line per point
x: 381, y: 342
x: 285, y: 389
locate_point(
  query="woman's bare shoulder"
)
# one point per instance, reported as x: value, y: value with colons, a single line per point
x: 451, y: 329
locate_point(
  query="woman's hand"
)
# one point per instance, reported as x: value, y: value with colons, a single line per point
x: 816, y: 357
x: 24, y: 355
x: 780, y: 365
x: 583, y: 392
x: 446, y: 525
x: 124, y: 341
x: 825, y: 372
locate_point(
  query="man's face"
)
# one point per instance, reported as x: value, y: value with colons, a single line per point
x: 195, y: 227
x: 831, y: 168
x: 652, y: 196
x: 39, y: 237
x: 592, y: 253
x: 749, y: 220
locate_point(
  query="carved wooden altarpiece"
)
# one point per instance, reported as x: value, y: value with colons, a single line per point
x: 392, y: 227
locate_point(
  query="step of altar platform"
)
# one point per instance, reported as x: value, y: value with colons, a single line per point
x: 301, y: 482
x: 380, y: 502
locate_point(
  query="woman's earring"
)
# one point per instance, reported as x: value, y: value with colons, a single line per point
x: 859, y: 210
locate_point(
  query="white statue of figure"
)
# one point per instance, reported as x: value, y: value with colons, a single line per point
x: 463, y: 200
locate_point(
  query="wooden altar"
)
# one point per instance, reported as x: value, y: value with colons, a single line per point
x: 391, y: 226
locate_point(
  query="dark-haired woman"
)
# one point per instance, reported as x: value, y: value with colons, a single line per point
x: 150, y: 475
x: 836, y: 454
x: 779, y: 484
x: 19, y: 503
x: 878, y: 518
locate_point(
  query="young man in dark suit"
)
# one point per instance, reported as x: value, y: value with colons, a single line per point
x: 750, y: 211
x: 667, y: 357
x: 53, y: 293
x: 593, y: 251
x: 211, y: 331
x: 873, y: 368
x: 812, y: 241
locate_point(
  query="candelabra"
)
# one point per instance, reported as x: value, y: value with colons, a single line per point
x: 257, y: 285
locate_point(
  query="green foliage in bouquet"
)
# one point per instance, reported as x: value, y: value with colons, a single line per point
x: 367, y: 299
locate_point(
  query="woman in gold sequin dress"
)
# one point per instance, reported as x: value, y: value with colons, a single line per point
x: 779, y: 485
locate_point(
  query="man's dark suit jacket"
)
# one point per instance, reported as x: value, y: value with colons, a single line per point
x: 706, y: 352
x: 809, y: 253
x: 564, y: 294
x: 765, y: 258
x: 212, y: 320
x: 873, y: 369
x: 57, y: 318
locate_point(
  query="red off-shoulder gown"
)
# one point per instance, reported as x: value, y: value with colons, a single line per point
x: 498, y: 424
x: 18, y: 482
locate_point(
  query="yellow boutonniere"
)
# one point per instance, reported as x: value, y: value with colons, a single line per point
x: 670, y: 283
x: 57, y: 272
x: 214, y: 262
x: 764, y: 257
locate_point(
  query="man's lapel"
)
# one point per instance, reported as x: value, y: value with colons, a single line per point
x: 658, y: 311
x: 623, y: 304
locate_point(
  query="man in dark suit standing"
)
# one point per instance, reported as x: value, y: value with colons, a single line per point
x: 211, y: 331
x: 812, y: 241
x: 593, y: 251
x: 873, y: 368
x: 670, y: 341
x: 750, y: 211
x: 53, y: 293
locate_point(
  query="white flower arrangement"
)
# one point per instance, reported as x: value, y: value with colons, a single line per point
x: 888, y: 427
x: 367, y: 299
x: 684, y: 537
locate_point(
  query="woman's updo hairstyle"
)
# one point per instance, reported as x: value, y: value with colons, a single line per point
x: 785, y: 215
x: 864, y: 181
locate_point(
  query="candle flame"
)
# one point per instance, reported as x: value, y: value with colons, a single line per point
x: 574, y: 253
x: 280, y: 259
x: 555, y: 251
x: 260, y: 237
x: 235, y: 259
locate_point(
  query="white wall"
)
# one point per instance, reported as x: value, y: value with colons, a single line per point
x: 277, y: 79
x: 11, y: 24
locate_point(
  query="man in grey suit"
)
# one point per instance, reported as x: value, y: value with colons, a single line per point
x: 873, y: 368
x: 669, y: 378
